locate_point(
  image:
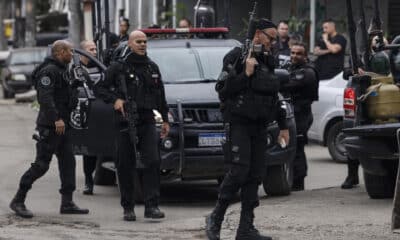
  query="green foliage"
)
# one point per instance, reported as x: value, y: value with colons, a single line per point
x: 180, y: 13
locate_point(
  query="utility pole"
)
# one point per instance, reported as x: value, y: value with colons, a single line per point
x: 30, y: 24
x: 19, y: 25
x: 75, y: 22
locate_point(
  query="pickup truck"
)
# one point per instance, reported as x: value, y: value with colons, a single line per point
x: 373, y: 144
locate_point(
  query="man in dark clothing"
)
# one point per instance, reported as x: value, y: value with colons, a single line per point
x: 123, y: 30
x: 282, y: 45
x: 109, y: 52
x: 303, y: 90
x: 89, y: 162
x: 54, y: 93
x: 145, y: 88
x: 330, y: 50
x: 250, y: 97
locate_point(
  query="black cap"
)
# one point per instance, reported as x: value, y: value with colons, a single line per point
x: 264, y: 23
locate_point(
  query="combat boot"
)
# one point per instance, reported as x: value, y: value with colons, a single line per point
x: 298, y: 185
x: 18, y: 205
x: 352, y: 177
x: 215, y: 219
x: 153, y: 212
x: 69, y: 207
x: 129, y: 215
x: 88, y: 190
x: 246, y: 229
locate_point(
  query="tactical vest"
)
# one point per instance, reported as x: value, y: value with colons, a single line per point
x: 258, y: 101
x: 144, y: 87
x: 310, y: 94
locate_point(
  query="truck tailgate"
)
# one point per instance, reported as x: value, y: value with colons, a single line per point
x: 375, y: 130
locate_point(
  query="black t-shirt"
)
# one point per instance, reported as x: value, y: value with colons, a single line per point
x: 330, y: 65
x: 282, y: 53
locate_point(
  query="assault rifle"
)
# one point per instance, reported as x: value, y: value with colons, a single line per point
x: 250, y: 33
x: 352, y: 30
x: 131, y: 115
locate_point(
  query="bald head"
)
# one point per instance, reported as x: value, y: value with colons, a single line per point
x: 62, y: 51
x: 138, y: 42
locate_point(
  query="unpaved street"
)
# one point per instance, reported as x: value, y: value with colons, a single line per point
x: 324, y: 211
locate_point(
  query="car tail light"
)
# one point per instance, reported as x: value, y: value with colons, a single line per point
x: 349, y: 102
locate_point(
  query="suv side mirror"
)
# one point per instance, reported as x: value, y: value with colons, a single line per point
x: 347, y: 72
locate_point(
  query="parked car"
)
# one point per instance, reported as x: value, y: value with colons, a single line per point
x: 328, y: 117
x: 192, y: 151
x: 16, y: 74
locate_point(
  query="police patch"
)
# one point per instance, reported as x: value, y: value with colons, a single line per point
x: 45, y: 81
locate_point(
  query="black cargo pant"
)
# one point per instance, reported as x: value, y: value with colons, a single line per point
x: 149, y: 175
x: 247, y: 167
x: 89, y: 165
x: 50, y: 143
x: 304, y: 120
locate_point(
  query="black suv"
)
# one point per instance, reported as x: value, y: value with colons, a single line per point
x: 192, y: 151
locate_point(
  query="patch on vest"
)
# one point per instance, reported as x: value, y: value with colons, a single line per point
x: 45, y: 81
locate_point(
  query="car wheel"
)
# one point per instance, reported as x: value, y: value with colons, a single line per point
x: 104, y: 176
x: 335, y: 140
x: 7, y: 94
x: 278, y: 180
x: 379, y: 187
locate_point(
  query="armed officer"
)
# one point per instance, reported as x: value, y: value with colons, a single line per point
x: 303, y: 90
x: 142, y: 80
x: 53, y: 93
x: 250, y: 99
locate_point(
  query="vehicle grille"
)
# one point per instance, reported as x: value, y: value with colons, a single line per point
x: 202, y: 115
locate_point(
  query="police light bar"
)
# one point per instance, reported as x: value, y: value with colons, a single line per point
x: 184, y: 30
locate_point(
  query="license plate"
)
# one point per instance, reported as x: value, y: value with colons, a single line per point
x: 210, y: 139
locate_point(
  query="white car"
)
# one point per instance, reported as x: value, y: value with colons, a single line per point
x: 328, y: 117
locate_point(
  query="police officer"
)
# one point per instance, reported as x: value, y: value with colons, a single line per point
x: 144, y: 86
x: 303, y: 89
x: 89, y: 162
x: 108, y: 53
x: 53, y: 92
x: 250, y: 95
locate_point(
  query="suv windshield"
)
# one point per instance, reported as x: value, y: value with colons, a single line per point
x: 186, y: 65
x: 27, y: 57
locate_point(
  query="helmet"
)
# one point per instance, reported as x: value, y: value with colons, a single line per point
x: 380, y: 63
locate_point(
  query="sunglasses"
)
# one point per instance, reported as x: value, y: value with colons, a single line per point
x: 272, y: 39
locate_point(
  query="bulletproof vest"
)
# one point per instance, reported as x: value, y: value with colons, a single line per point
x: 144, y: 85
x: 310, y: 94
x: 259, y: 100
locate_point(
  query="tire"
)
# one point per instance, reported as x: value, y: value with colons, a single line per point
x: 335, y: 144
x: 103, y: 176
x: 278, y: 180
x: 7, y: 94
x: 379, y: 187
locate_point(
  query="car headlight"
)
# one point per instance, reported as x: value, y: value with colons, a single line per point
x: 167, y: 144
x: 158, y: 117
x: 18, y: 77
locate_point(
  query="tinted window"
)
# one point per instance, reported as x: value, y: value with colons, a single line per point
x: 181, y: 65
x: 176, y: 64
x: 211, y: 60
x: 27, y: 57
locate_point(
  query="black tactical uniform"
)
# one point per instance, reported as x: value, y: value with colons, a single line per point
x: 303, y: 90
x: 53, y: 93
x: 144, y: 86
x: 249, y: 104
